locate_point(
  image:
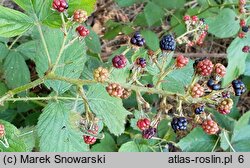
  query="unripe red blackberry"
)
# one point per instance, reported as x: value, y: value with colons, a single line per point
x: 90, y: 139
x: 210, y: 127
x: 195, y: 18
x: 2, y: 131
x: 80, y: 16
x: 149, y: 133
x: 204, y: 67
x: 242, y: 23
x: 220, y: 70
x: 197, y: 91
x: 225, y: 106
x: 82, y: 31
x: 60, y: 5
x: 186, y: 18
x: 126, y: 94
x: 115, y: 90
x: 101, y: 74
x: 246, y: 49
x: 119, y: 61
x: 241, y: 35
x: 181, y: 61
x: 143, y: 123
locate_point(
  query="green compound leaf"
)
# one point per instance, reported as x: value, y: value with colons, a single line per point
x: 108, y: 108
x: 198, y: 141
x: 30, y: 138
x: 130, y: 146
x: 106, y: 145
x: 4, y: 51
x: 71, y: 62
x: 153, y: 17
x: 236, y: 59
x: 178, y: 79
x: 3, y: 90
x: 16, y: 144
x: 224, y: 25
x: 241, y: 138
x: 151, y: 38
x: 93, y: 42
x: 126, y: 3
x: 16, y: 71
x: 170, y: 4
x: 13, y: 23
x: 57, y: 131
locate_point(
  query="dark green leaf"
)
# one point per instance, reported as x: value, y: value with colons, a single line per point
x: 224, y: 25
x: 16, y: 71
x: 4, y: 51
x: 198, y: 141
x: 71, y: 61
x: 106, y: 145
x: 224, y: 140
x: 93, y: 42
x: 3, y: 90
x: 151, y: 38
x: 13, y: 23
x: 170, y: 4
x: 236, y: 59
x: 16, y: 144
x: 224, y: 121
x: 107, y: 108
x: 126, y: 3
x: 58, y: 131
x: 178, y: 79
x: 153, y: 17
x: 129, y: 147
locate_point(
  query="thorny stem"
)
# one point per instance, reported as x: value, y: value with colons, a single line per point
x: 20, y: 89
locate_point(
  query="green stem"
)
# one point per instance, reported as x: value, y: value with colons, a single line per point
x: 20, y: 89
x: 43, y: 41
x: 229, y: 142
x: 14, y: 42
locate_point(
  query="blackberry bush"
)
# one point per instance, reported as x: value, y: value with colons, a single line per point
x: 79, y: 78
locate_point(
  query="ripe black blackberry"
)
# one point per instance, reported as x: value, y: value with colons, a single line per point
x: 168, y: 43
x: 179, y: 124
x: 245, y: 29
x: 239, y: 87
x: 213, y: 85
x: 199, y: 109
x: 137, y: 40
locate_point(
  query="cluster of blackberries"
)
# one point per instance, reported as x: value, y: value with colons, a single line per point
x: 168, y: 43
x: 239, y: 87
x: 179, y: 123
x: 137, y: 40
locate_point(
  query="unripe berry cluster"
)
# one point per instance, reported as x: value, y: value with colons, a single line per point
x: 196, y: 37
x: 243, y: 25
